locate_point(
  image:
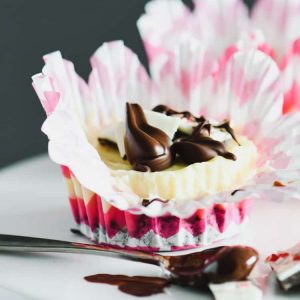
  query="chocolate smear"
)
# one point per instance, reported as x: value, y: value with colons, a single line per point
x: 216, y: 265
x: 136, y: 285
x: 147, y: 147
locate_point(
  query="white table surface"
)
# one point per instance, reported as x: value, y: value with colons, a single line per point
x: 33, y: 202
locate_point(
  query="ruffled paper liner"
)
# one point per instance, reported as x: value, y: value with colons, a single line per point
x: 103, y: 223
x: 277, y: 21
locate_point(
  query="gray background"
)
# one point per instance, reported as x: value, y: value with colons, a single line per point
x: 31, y: 28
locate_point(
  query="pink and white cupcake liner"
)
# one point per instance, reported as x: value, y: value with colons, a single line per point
x: 246, y: 91
x: 104, y: 223
x: 220, y: 25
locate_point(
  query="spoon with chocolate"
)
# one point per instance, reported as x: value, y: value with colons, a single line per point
x: 215, y: 265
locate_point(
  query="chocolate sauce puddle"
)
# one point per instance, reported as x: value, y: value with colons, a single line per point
x: 134, y: 285
x: 197, y: 270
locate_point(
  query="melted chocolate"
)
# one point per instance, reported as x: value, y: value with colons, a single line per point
x: 181, y: 114
x: 216, y: 265
x: 236, y: 191
x: 199, y: 147
x: 135, y: 285
x: 76, y: 231
x: 147, y: 202
x: 106, y: 142
x: 226, y: 126
x: 278, y: 183
x: 147, y: 147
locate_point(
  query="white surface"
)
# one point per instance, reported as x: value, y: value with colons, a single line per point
x: 33, y: 202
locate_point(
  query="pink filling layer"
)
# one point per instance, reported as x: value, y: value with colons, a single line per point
x: 115, y: 220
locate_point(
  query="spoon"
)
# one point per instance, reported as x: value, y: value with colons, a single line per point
x: 216, y: 265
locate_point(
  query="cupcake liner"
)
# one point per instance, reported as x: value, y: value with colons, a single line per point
x: 106, y: 224
x: 246, y: 91
x: 275, y: 20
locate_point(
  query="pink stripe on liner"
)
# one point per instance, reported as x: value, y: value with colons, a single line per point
x: 66, y: 172
x: 82, y: 211
x: 75, y: 209
x: 92, y: 212
x: 292, y: 99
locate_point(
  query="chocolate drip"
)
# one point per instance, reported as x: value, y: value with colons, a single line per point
x: 147, y: 202
x: 135, y: 285
x: 199, y: 147
x: 226, y: 126
x: 236, y: 191
x: 181, y: 114
x: 217, y: 265
x: 147, y: 147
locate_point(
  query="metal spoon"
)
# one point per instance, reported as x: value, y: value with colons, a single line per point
x: 196, y: 269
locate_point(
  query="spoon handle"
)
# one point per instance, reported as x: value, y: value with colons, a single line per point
x: 31, y: 244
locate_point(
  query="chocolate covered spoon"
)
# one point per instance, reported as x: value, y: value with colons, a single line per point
x: 216, y: 265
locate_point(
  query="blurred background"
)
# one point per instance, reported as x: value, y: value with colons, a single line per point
x: 30, y: 29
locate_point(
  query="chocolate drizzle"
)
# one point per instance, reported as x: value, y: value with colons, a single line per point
x: 200, y: 147
x: 180, y: 114
x: 147, y: 202
x: 147, y: 147
x: 186, y: 114
x: 227, y: 127
x: 135, y: 285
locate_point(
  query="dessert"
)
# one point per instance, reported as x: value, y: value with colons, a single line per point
x: 286, y: 266
x: 156, y: 174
